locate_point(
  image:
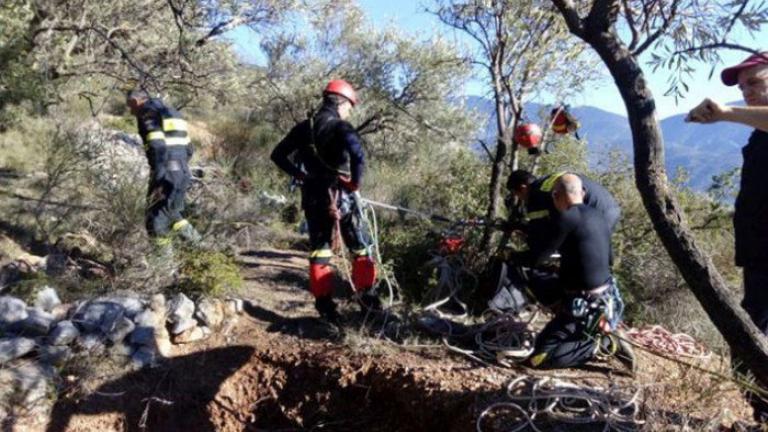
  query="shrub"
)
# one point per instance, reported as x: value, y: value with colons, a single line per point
x: 210, y: 273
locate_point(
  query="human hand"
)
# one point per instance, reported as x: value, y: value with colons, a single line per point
x: 347, y: 184
x: 707, y: 111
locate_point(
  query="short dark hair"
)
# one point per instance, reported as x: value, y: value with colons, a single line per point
x: 334, y: 100
x: 519, y: 178
x: 137, y: 94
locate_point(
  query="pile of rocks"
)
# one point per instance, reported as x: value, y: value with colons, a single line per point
x: 141, y: 329
x: 34, y: 339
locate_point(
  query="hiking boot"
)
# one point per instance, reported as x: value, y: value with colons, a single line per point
x: 327, y: 309
x: 369, y: 302
x: 616, y: 345
x: 624, y: 351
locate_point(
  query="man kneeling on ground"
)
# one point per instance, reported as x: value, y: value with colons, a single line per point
x: 589, y: 308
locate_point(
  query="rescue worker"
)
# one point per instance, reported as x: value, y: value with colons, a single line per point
x: 168, y: 150
x: 751, y: 207
x: 542, y: 218
x: 331, y: 171
x: 590, y: 307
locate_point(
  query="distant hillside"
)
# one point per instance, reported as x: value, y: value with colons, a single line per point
x: 703, y: 150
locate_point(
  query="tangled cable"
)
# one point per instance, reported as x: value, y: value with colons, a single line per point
x: 553, y: 400
x: 450, y: 275
x: 656, y: 338
x: 503, y: 339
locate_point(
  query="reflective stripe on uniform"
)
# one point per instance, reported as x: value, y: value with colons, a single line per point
x: 162, y: 241
x: 155, y: 135
x: 176, y: 141
x: 538, y: 359
x: 180, y: 225
x: 321, y: 253
x: 549, y: 183
x: 360, y: 252
x: 540, y: 214
x: 174, y: 124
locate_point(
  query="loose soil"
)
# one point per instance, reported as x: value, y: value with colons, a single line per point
x: 281, y: 369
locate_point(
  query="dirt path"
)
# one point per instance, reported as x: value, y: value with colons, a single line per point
x: 280, y: 369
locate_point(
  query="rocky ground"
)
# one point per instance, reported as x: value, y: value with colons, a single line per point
x: 275, y: 367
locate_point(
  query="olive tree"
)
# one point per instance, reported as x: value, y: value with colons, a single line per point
x: 677, y: 31
x: 521, y: 48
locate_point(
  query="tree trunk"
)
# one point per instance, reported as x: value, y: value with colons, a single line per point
x: 743, y: 337
x: 497, y: 169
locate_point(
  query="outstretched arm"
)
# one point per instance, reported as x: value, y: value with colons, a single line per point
x: 710, y: 111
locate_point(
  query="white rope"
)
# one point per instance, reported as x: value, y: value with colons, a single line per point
x: 450, y: 271
x: 553, y: 400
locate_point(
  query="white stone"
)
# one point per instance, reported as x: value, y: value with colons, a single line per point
x: 64, y: 333
x: 182, y: 326
x: 210, y: 312
x: 121, y: 330
x: 181, y: 308
x: 47, y: 299
x: 13, y: 348
x: 192, y: 335
x: 37, y: 323
x: 12, y: 310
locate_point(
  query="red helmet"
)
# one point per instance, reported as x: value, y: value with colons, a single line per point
x: 528, y: 135
x: 341, y: 88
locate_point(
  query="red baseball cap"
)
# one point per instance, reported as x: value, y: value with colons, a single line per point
x: 730, y: 76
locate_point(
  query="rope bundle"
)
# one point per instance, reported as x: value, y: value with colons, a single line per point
x: 556, y: 401
x: 656, y: 338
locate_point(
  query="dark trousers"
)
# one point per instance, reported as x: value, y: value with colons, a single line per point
x: 545, y: 287
x: 563, y: 343
x: 165, y: 203
x: 324, y: 207
x: 319, y: 208
x: 755, y: 300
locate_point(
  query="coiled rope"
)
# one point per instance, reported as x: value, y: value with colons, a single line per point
x: 658, y: 339
x: 549, y: 399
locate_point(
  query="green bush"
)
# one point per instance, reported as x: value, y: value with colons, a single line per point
x: 209, y: 273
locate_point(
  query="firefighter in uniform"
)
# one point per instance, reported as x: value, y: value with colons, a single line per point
x: 168, y: 150
x: 330, y: 171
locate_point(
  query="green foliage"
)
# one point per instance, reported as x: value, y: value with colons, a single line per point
x: 245, y: 145
x: 125, y: 123
x: 210, y: 273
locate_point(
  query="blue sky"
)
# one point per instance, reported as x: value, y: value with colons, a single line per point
x: 410, y: 16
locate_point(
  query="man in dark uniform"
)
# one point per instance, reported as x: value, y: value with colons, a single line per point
x: 168, y: 150
x: 541, y: 219
x: 589, y: 306
x: 333, y: 161
x: 536, y: 197
x: 750, y: 219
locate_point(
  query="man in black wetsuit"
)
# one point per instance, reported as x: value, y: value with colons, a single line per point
x: 330, y: 170
x: 588, y: 301
x: 540, y: 213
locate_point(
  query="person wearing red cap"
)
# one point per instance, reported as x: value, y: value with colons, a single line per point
x: 751, y: 215
x: 750, y: 219
x: 330, y: 163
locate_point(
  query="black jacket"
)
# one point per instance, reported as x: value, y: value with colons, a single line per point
x: 543, y: 216
x: 165, y: 136
x: 750, y: 220
x: 332, y: 148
